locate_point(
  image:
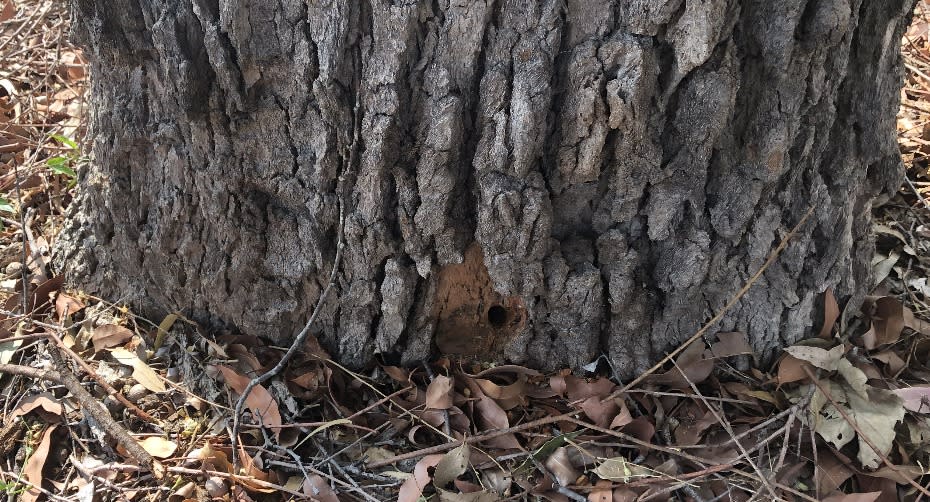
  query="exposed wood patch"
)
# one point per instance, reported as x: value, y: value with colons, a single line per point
x: 473, y: 319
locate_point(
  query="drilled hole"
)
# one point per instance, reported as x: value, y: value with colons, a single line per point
x: 497, y: 316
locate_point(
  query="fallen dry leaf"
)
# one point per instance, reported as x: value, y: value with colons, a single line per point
x: 821, y: 358
x: 412, y: 488
x: 32, y: 471
x: 831, y: 312
x: 259, y: 400
x: 45, y: 401
x: 791, y: 369
x: 439, y: 393
x: 622, y: 470
x: 561, y: 467
x: 916, y: 399
x: 159, y: 447
x: 318, y: 488
x: 693, y: 365
x: 141, y: 372
x: 731, y: 344
x: 66, y: 305
x: 8, y: 10
x: 109, y: 335
x: 452, y: 465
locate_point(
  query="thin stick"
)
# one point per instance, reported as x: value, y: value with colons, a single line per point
x: 91, y: 406
x: 726, y: 308
x: 471, y: 439
x: 298, y: 342
x: 729, y: 429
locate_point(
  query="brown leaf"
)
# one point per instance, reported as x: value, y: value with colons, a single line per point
x: 622, y: 418
x: 109, y: 335
x: 439, y: 393
x: 45, y: 401
x: 8, y: 10
x: 831, y: 312
x: 601, y: 412
x: 602, y: 492
x: 731, y: 344
x: 413, y: 487
x: 831, y: 471
x: 32, y: 471
x: 491, y: 416
x: 640, y: 428
x: 916, y: 399
x: 318, y: 489
x: 791, y: 369
x: 399, y: 374
x: 259, y: 400
x: 66, y: 305
x: 508, y: 396
x: 887, y: 320
x: 691, y: 366
x: 561, y: 467
x: 580, y: 388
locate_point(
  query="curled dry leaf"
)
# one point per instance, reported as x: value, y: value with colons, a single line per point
x: 141, y: 372
x: 109, y: 335
x: 259, y: 400
x: 32, y: 471
x: 507, y: 396
x: 159, y: 447
x: 439, y: 393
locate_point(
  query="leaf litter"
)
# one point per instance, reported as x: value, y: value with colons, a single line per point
x: 461, y: 431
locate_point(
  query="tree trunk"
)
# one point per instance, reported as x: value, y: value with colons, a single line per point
x: 540, y: 182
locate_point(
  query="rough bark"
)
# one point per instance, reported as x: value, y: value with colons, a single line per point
x: 540, y: 182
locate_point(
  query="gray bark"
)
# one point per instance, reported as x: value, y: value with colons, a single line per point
x: 539, y: 182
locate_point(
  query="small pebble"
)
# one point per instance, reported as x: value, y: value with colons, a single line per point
x: 14, y: 268
x: 113, y: 405
x: 215, y: 486
x: 136, y: 392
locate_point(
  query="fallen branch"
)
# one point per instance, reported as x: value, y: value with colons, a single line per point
x: 91, y: 406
